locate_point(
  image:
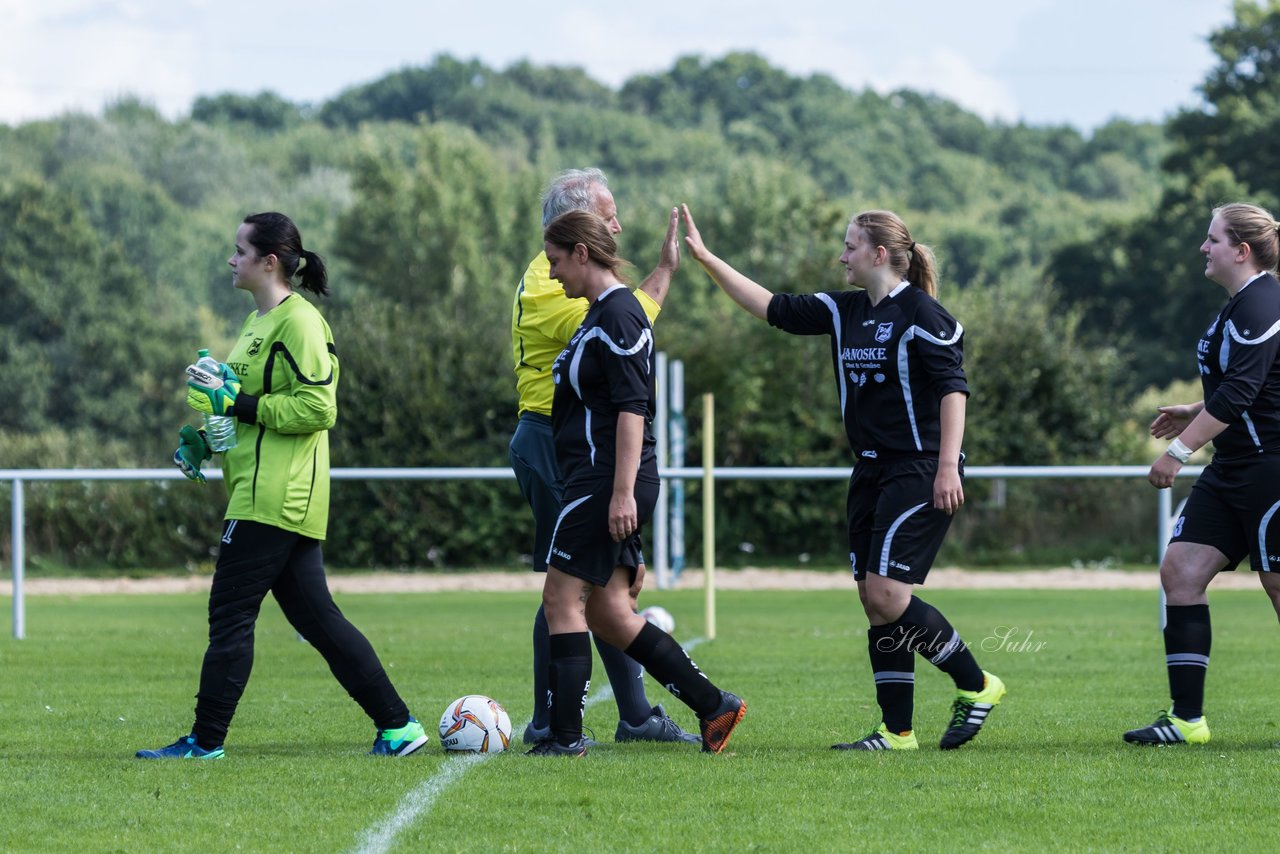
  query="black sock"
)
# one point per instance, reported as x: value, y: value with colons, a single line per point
x: 893, y: 665
x: 541, y: 670
x: 626, y: 678
x: 932, y: 636
x: 1187, y: 638
x: 208, y: 737
x: 667, y: 662
x: 570, y: 679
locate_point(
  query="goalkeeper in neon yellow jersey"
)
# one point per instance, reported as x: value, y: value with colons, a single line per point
x: 280, y: 384
x: 543, y: 320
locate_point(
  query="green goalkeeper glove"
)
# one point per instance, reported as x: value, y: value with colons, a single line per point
x: 192, y: 451
x: 212, y: 394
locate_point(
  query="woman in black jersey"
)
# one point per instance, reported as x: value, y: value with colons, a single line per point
x: 898, y: 369
x: 1232, y: 509
x: 600, y: 416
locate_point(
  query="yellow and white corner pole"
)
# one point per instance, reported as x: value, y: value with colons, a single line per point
x: 709, y: 510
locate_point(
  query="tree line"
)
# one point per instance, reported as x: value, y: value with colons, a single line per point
x: 1070, y: 258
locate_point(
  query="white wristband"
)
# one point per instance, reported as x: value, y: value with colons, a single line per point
x: 1179, y: 451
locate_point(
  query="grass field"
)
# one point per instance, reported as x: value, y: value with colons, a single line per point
x: 100, y: 676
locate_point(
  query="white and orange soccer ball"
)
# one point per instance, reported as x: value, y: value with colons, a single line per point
x: 475, y: 724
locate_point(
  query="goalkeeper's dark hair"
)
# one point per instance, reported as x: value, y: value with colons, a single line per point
x: 570, y: 229
x: 275, y: 234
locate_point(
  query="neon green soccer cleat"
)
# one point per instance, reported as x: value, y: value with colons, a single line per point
x: 399, y: 742
x: 1169, y: 729
x: 969, y: 711
x: 881, y: 739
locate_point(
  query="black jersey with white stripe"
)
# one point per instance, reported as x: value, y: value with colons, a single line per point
x: 606, y: 368
x: 1240, y: 373
x: 894, y: 362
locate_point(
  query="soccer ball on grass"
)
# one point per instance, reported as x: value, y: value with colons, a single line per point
x: 475, y: 724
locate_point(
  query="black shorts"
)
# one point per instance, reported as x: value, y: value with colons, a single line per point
x: 1233, y: 508
x: 581, y: 544
x: 894, y: 529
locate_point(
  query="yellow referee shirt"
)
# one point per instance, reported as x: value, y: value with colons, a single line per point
x: 543, y: 320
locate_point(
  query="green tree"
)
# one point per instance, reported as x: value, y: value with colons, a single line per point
x: 265, y: 111
x: 436, y: 240
x: 1140, y: 280
x: 1238, y: 124
x: 85, y: 341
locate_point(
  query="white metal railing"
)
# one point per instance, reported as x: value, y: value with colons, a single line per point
x: 19, y: 477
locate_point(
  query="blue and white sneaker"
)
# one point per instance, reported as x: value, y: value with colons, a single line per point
x: 183, y: 748
x: 399, y: 742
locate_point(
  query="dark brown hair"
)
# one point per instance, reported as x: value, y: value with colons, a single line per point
x: 275, y: 234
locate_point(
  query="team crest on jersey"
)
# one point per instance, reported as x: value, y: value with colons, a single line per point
x: 884, y: 332
x: 255, y: 347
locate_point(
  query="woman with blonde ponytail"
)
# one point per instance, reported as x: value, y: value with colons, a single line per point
x: 901, y: 382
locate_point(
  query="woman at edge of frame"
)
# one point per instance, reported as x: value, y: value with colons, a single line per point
x: 1231, y: 511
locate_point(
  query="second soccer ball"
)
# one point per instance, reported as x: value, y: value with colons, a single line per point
x: 660, y: 617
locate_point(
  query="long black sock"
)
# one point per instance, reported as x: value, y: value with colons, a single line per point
x: 570, y: 677
x: 626, y: 677
x: 667, y: 662
x: 1187, y: 638
x: 932, y: 636
x: 541, y: 669
x: 893, y: 665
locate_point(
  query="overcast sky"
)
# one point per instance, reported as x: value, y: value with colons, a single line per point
x: 1078, y: 62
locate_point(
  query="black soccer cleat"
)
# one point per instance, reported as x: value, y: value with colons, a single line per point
x: 969, y: 712
x: 719, y: 725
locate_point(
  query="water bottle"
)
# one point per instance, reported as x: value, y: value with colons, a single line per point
x: 219, y: 430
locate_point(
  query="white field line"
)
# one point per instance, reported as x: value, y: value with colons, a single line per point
x: 418, y: 801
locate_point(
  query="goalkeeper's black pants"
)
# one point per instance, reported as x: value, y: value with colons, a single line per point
x: 257, y: 558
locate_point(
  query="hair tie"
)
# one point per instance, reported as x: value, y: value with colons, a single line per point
x: 912, y: 247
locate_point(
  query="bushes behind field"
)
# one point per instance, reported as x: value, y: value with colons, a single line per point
x: 1063, y: 255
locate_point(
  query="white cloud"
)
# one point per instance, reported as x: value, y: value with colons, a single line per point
x: 75, y: 55
x: 951, y: 75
